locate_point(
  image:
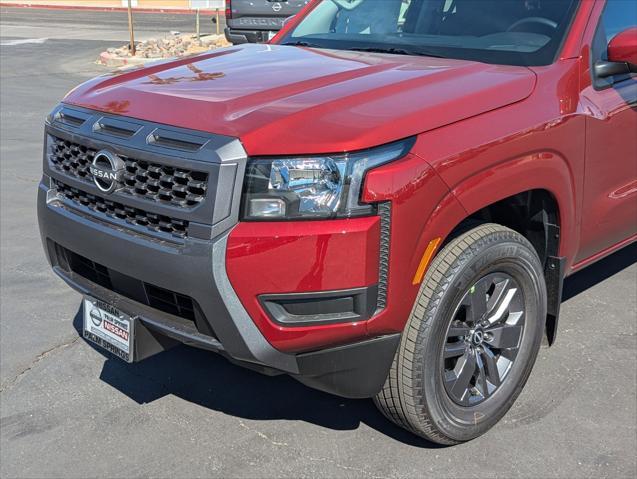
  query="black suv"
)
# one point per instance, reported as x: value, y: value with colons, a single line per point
x: 258, y: 21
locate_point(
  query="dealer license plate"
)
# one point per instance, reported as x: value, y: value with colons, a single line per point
x: 109, y: 328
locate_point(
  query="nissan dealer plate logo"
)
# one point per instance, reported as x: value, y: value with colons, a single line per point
x: 276, y: 6
x: 107, y: 170
x: 96, y: 316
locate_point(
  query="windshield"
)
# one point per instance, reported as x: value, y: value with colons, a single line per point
x: 515, y: 32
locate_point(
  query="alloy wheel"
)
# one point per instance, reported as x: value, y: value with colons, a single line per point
x: 483, y: 339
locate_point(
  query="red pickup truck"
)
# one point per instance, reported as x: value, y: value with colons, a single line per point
x: 382, y: 202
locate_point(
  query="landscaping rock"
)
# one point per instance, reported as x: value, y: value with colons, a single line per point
x: 173, y: 45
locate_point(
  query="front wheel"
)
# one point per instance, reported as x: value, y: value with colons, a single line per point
x: 472, y: 337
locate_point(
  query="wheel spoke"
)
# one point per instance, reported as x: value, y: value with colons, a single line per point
x: 491, y: 365
x: 481, y: 382
x: 509, y: 354
x: 500, y: 306
x: 476, y: 302
x: 453, y: 350
x: 505, y: 336
x: 501, y: 287
x: 458, y: 379
x: 458, y: 329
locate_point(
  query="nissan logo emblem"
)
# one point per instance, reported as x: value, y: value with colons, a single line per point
x: 276, y: 6
x: 107, y: 170
x: 96, y: 316
x: 478, y: 337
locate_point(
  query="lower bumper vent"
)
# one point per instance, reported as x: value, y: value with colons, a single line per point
x: 158, y: 298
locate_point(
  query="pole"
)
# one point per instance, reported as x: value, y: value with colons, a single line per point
x: 131, y: 29
x: 198, y: 28
x: 218, y: 20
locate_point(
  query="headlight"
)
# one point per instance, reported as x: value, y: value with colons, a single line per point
x: 315, y: 187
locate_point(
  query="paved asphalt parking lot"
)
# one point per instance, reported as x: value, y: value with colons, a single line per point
x: 68, y: 410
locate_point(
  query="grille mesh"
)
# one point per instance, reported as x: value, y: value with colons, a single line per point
x: 71, y: 158
x: 142, y: 179
x: 134, y: 216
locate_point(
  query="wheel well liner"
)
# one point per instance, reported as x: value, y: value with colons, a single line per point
x: 530, y: 213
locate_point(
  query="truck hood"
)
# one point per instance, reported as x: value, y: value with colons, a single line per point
x: 282, y: 100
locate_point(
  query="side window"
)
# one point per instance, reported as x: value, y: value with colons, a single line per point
x: 370, y: 16
x: 618, y: 15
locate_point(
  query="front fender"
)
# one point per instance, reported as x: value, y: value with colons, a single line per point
x: 497, y: 155
x: 423, y: 209
x: 545, y: 170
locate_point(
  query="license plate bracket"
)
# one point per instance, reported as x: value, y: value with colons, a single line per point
x: 109, y: 328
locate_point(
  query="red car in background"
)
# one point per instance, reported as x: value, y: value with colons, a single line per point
x: 382, y: 202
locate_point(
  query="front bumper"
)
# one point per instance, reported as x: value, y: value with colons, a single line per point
x: 355, y: 371
x: 135, y: 260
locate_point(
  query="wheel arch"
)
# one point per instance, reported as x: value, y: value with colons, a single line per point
x: 537, y: 215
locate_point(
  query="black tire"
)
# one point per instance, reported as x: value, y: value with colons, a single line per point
x: 416, y: 396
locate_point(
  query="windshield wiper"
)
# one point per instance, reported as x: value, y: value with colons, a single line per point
x: 395, y: 51
x: 301, y: 44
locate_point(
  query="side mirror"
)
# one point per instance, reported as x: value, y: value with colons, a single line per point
x: 622, y: 55
x: 623, y: 48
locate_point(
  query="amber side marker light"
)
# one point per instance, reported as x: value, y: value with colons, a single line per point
x: 426, y: 259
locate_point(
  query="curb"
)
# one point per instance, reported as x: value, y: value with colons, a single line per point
x: 175, y: 11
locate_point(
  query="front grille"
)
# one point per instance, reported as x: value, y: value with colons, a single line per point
x: 142, y: 179
x: 117, y: 211
x: 159, y: 298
